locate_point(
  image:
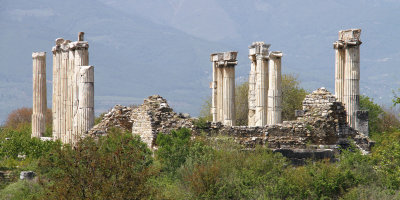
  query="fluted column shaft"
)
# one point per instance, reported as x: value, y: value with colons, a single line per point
x: 252, y: 92
x: 39, y: 94
x: 86, y: 99
x: 274, y: 115
x: 214, y: 93
x: 339, y: 70
x: 352, y: 82
x: 229, y: 96
x: 261, y: 90
x: 81, y: 57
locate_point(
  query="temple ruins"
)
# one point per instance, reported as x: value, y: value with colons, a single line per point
x: 223, y: 87
x: 73, y: 90
x: 325, y: 122
x: 264, y: 96
x: 347, y: 77
x: 39, y: 106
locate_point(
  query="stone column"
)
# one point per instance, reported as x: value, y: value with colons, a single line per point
x: 223, y: 86
x: 351, y: 93
x: 251, y: 94
x: 64, y: 90
x: 339, y: 69
x: 56, y: 107
x: 259, y: 50
x: 274, y: 115
x: 81, y: 57
x: 214, y: 91
x: 86, y: 99
x: 229, y: 95
x: 39, y: 94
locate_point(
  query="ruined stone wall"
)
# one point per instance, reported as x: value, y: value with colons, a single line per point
x: 321, y: 125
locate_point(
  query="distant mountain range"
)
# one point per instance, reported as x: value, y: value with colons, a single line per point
x: 140, y: 48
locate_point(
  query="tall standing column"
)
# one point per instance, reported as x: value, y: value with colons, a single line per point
x: 351, y: 94
x: 39, y: 94
x: 258, y: 52
x: 214, y: 91
x: 64, y: 89
x: 86, y: 99
x: 57, y: 102
x: 223, y: 87
x: 251, y: 94
x: 70, y: 93
x: 229, y: 96
x: 274, y: 115
x: 339, y: 69
x: 81, y: 59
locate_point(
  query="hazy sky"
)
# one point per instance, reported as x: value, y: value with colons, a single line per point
x: 140, y: 48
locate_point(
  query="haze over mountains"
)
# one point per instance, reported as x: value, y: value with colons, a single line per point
x: 140, y: 48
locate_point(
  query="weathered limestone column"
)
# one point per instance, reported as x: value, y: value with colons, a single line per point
x: 339, y: 69
x: 81, y: 57
x: 252, y: 91
x: 259, y: 50
x: 351, y: 94
x: 213, y: 86
x: 70, y: 93
x: 39, y: 94
x: 86, y: 99
x: 64, y: 90
x: 274, y: 115
x: 229, y: 95
x: 223, y: 87
x: 57, y: 101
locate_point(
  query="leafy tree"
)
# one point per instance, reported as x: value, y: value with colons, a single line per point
x: 173, y: 149
x: 116, y: 166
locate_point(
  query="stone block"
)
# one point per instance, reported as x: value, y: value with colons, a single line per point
x: 362, y: 121
x: 27, y: 175
x: 299, y: 113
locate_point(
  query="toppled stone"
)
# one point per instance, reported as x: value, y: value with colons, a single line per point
x: 119, y: 116
x: 27, y: 175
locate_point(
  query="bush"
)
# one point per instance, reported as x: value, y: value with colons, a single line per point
x: 116, y: 166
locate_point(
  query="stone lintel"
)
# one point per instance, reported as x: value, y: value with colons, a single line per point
x: 229, y: 56
x: 79, y: 45
x: 350, y: 35
x: 277, y: 54
x: 38, y: 54
x: 259, y: 48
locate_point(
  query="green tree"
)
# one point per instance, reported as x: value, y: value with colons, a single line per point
x: 116, y: 166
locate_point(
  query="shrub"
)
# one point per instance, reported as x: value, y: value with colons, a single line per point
x: 116, y: 166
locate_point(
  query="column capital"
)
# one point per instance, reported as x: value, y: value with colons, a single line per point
x: 257, y: 48
x: 275, y: 54
x: 38, y: 54
x: 350, y: 37
x: 224, y: 59
x: 79, y: 45
x: 338, y: 44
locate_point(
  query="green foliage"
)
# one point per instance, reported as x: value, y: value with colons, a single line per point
x: 292, y: 96
x: 242, y: 103
x: 173, y: 149
x: 99, y: 118
x: 375, y: 113
x: 14, y: 142
x: 116, y: 166
x: 22, y: 190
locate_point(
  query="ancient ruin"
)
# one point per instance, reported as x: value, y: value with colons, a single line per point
x: 347, y: 77
x: 39, y: 94
x: 73, y: 91
x: 223, y: 87
x: 264, y: 85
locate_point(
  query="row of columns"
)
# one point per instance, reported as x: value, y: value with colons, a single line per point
x: 347, y: 75
x: 223, y: 87
x: 73, y: 90
x: 265, y: 93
